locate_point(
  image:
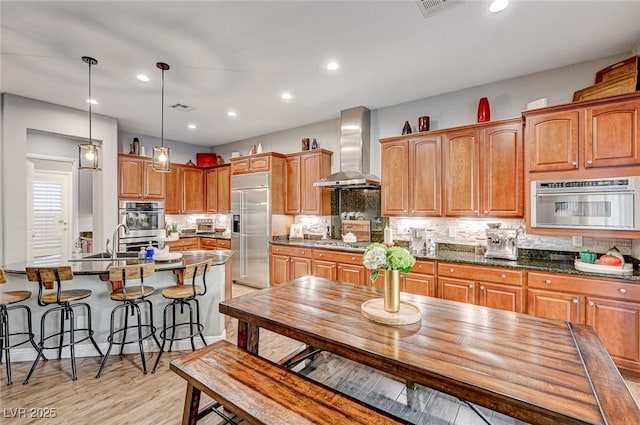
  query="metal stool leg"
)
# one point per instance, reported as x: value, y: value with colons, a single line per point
x: 109, y: 339
x: 90, y: 328
x: 61, y: 343
x: 193, y: 345
x: 173, y: 323
x: 126, y: 324
x: 4, y: 342
x: 152, y: 327
x: 40, y: 346
x: 72, y: 344
x: 163, y: 335
x: 144, y: 362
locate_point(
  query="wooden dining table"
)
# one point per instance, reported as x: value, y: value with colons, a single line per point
x: 537, y: 370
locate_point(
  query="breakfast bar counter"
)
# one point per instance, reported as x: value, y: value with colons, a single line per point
x: 93, y: 274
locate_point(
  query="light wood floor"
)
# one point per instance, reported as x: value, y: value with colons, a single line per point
x: 123, y: 395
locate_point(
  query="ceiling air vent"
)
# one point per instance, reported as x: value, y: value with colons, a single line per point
x: 431, y: 7
x: 181, y: 107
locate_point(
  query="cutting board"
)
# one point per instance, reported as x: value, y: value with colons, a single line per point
x: 360, y: 228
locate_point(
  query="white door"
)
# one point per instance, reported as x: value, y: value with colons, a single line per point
x: 50, y: 214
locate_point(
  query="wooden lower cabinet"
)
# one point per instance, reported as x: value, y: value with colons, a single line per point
x: 555, y: 305
x: 419, y: 281
x: 289, y: 263
x: 612, y: 307
x: 184, y: 244
x: 342, y: 266
x: 486, y: 286
x: 209, y: 243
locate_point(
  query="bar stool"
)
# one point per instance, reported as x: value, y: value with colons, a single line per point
x: 6, y: 298
x: 131, y: 297
x: 52, y: 278
x: 183, y: 295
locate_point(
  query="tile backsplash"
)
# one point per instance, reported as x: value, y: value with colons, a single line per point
x: 472, y: 232
x: 188, y: 221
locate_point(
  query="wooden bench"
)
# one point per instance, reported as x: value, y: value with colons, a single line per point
x: 262, y: 392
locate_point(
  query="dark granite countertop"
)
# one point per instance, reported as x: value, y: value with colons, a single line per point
x: 535, y: 264
x: 100, y: 267
x: 208, y: 235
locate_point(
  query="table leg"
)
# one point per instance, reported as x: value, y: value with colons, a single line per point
x: 248, y: 336
x: 191, y: 405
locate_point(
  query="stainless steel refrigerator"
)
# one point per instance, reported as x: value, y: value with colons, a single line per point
x: 251, y: 228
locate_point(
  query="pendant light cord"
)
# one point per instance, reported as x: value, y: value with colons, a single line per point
x: 162, y: 114
x: 90, y: 103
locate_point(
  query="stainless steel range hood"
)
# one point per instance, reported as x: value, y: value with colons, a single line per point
x: 354, y: 153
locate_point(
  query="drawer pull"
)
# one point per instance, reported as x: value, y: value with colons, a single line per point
x: 420, y: 266
x: 302, y: 252
x: 503, y: 276
x: 319, y: 255
x: 623, y: 291
x: 451, y: 270
x: 575, y: 301
x: 353, y: 258
x: 548, y: 281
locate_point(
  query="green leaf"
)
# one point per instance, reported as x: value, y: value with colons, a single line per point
x: 374, y: 274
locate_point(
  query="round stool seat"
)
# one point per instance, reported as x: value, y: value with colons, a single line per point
x: 181, y: 291
x: 11, y: 297
x: 66, y: 296
x: 133, y: 293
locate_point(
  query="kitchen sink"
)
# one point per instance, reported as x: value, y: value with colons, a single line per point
x: 105, y: 256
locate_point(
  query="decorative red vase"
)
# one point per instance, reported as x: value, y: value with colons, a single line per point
x: 484, y: 113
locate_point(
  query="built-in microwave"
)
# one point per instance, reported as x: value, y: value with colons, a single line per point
x: 145, y: 223
x: 601, y: 204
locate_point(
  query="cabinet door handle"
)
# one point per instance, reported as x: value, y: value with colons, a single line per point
x: 471, y: 286
x: 575, y: 164
x: 482, y: 288
x: 475, y: 211
x: 589, y: 162
x: 575, y: 301
x: 548, y: 281
x: 623, y: 291
x: 412, y: 211
x: 591, y: 303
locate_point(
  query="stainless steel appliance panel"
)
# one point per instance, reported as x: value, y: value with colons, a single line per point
x: 144, y: 219
x: 251, y: 226
x: 609, y: 204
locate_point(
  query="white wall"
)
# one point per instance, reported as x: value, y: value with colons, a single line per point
x: 181, y: 152
x: 20, y: 115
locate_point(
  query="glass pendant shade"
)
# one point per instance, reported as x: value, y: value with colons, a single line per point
x: 88, y: 157
x: 161, y: 159
x: 88, y: 153
x: 162, y: 155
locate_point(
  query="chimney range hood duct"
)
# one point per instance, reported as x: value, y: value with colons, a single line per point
x: 354, y: 153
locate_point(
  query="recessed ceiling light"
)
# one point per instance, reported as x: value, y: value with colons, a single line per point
x: 498, y: 5
x: 286, y: 96
x: 232, y: 114
x: 332, y: 66
x: 192, y: 126
x: 93, y: 101
x: 142, y: 77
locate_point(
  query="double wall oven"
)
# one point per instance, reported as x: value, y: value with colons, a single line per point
x: 145, y: 221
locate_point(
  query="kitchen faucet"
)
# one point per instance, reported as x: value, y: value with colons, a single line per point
x: 116, y: 240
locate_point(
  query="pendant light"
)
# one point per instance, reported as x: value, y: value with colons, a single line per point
x: 162, y: 155
x: 88, y: 153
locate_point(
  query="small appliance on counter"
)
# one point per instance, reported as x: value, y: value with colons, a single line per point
x: 204, y: 225
x: 501, y: 243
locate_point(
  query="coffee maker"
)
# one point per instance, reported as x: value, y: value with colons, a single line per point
x: 416, y: 245
x: 501, y: 243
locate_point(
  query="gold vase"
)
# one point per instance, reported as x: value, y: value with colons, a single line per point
x: 392, y: 291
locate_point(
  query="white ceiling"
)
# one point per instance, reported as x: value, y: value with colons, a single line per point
x: 241, y: 55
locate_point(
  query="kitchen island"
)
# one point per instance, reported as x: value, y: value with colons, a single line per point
x: 93, y: 274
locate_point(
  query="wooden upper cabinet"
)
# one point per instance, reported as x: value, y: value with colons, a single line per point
x: 462, y: 173
x: 484, y: 171
x: 153, y: 182
x: 218, y: 189
x: 292, y: 201
x: 130, y: 175
x: 612, y: 137
x: 137, y: 180
x: 394, y: 194
x: 253, y: 163
x: 173, y: 190
x: 224, y: 188
x: 303, y: 170
x: 425, y: 172
x: 502, y: 173
x: 193, y: 190
x: 584, y: 135
x: 552, y: 141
